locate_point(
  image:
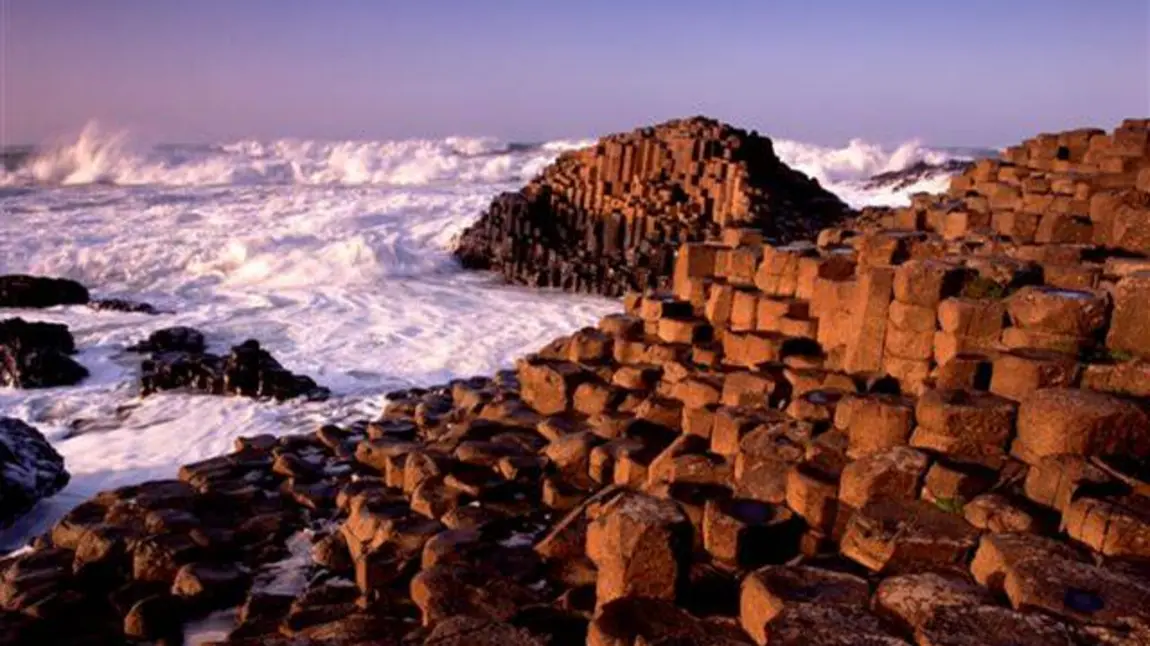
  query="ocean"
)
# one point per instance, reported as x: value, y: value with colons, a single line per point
x: 335, y: 255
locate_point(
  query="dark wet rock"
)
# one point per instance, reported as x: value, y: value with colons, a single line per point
x: 20, y: 290
x: 35, y: 355
x: 30, y: 469
x: 248, y: 370
x: 124, y: 305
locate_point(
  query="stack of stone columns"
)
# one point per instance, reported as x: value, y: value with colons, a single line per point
x: 610, y: 218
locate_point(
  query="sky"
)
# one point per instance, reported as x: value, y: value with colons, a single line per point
x: 977, y: 72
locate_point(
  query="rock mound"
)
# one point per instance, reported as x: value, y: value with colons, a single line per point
x: 35, y: 355
x: 19, y: 290
x: 610, y: 218
x: 30, y: 469
x: 179, y: 361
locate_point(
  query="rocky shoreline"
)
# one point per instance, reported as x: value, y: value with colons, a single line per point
x: 925, y: 425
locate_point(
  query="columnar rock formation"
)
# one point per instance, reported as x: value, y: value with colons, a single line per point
x: 610, y: 218
x: 927, y: 431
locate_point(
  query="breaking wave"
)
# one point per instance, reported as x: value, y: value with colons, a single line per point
x: 97, y: 156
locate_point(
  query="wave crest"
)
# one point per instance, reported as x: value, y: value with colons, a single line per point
x: 845, y: 171
x: 97, y: 156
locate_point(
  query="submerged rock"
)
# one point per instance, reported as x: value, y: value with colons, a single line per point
x: 30, y: 469
x: 123, y: 305
x: 172, y: 339
x: 35, y: 355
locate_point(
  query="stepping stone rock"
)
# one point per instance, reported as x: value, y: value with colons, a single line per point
x: 894, y: 537
x: 631, y: 621
x: 877, y: 423
x: 749, y: 533
x: 768, y: 591
x: 642, y: 546
x: 1057, y: 421
x: 214, y: 584
x: 549, y: 386
x: 997, y: 552
x: 988, y: 625
x: 447, y: 591
x: 913, y: 600
x: 965, y: 426
x: 1018, y: 373
x: 471, y: 631
x: 1076, y: 591
x: 1129, y: 327
x: 804, y: 624
x: 997, y: 513
x: 1056, y: 311
x: 1116, y: 527
x: 894, y: 473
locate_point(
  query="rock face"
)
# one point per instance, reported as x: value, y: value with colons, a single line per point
x: 610, y: 218
x: 30, y: 469
x: 18, y: 290
x: 35, y: 355
x: 179, y: 361
x: 889, y: 435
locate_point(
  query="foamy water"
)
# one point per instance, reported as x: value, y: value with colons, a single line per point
x: 334, y: 255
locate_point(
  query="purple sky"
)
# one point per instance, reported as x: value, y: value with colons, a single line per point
x: 978, y: 72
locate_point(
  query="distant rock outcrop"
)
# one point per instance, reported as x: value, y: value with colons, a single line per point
x: 30, y: 469
x: 35, y: 355
x: 124, y: 305
x: 897, y: 180
x: 611, y: 217
x: 20, y: 290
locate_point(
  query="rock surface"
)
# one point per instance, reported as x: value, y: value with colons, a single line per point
x: 35, y: 355
x: 922, y: 429
x: 611, y: 217
x: 30, y: 469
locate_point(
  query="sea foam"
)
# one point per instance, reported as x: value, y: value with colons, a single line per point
x: 99, y: 156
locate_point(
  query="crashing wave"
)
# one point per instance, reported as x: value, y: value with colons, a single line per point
x: 97, y: 156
